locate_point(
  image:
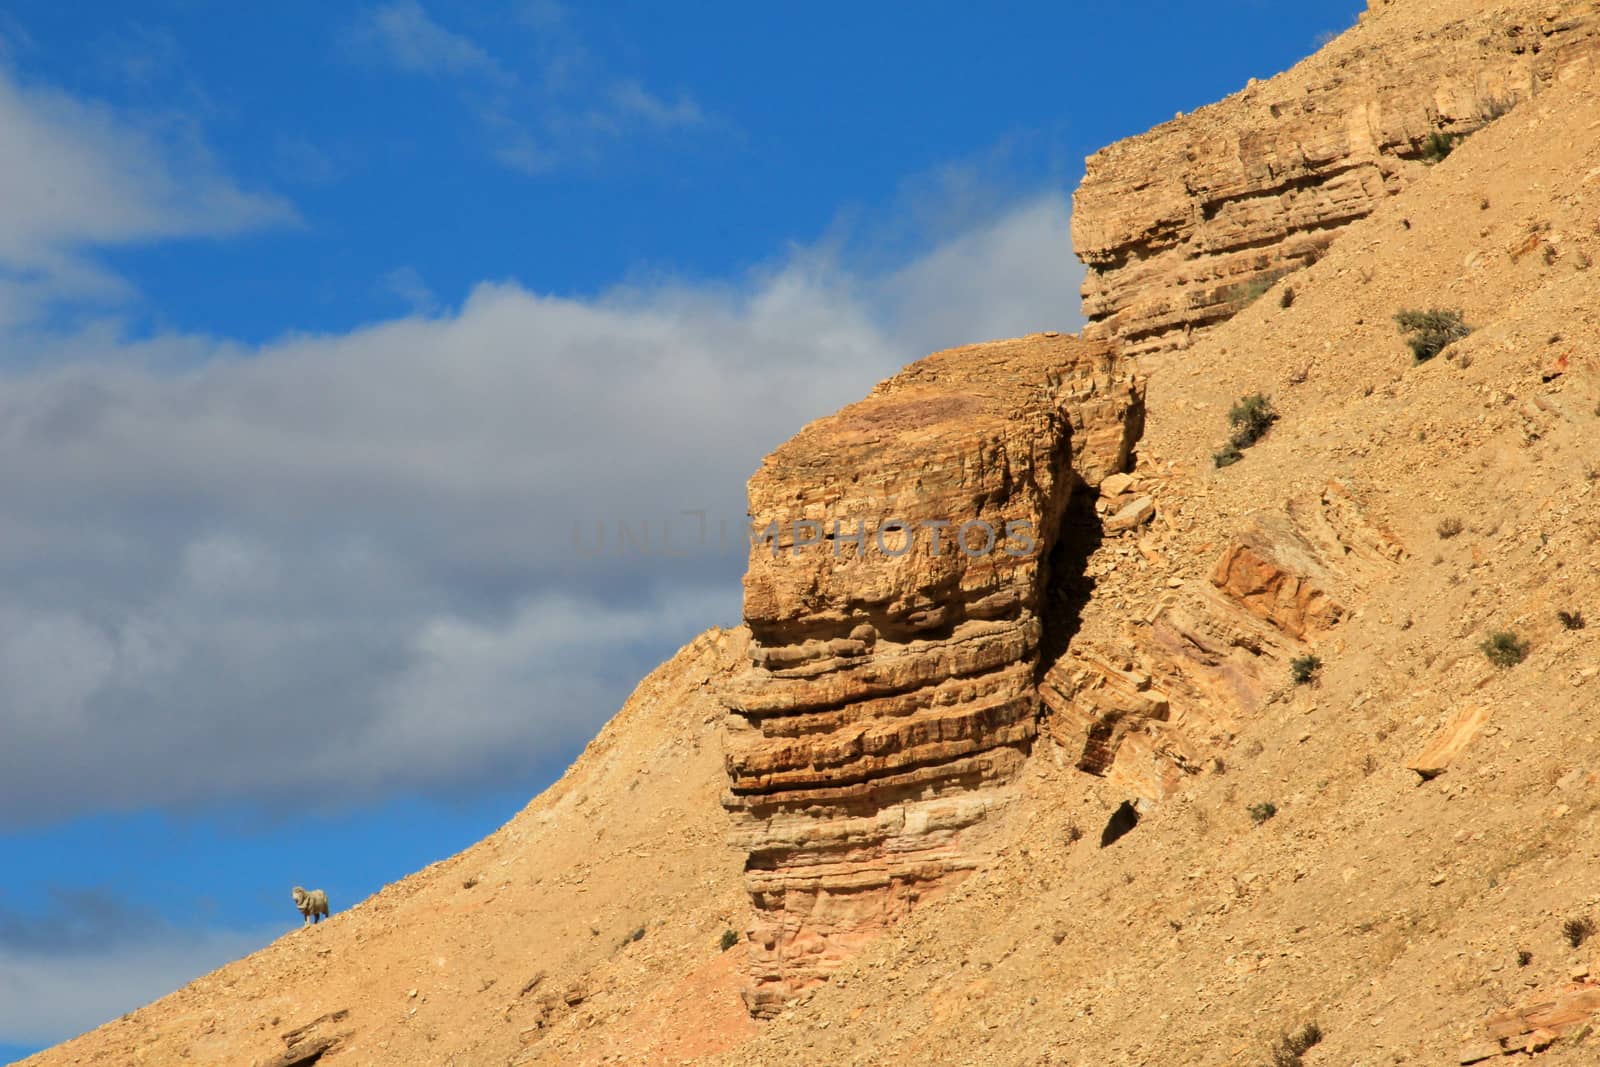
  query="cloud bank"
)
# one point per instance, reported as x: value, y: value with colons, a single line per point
x: 339, y: 566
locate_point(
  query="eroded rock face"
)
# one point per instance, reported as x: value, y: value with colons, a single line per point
x: 896, y: 625
x: 1138, y: 712
x: 1183, y: 226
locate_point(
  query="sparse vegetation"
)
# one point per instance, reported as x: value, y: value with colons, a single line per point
x: 1262, y: 811
x: 1431, y: 331
x: 1577, y: 929
x: 1438, y: 145
x: 1572, y: 620
x: 1304, y: 668
x: 729, y: 939
x: 1251, y: 418
x: 1226, y: 456
x: 1449, y: 527
x: 1524, y: 957
x: 1504, y: 649
x: 1498, y: 106
x: 1251, y: 291
x: 1073, y: 832
x: 1291, y: 1046
x: 468, y: 883
x: 1286, y: 299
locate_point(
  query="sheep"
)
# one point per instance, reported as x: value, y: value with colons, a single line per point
x: 313, y: 905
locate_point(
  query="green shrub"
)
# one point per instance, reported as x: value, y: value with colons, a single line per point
x: 1498, y: 106
x: 1577, y: 930
x: 1431, y: 331
x: 1439, y: 145
x: 1251, y: 418
x: 1292, y: 1046
x: 729, y: 939
x: 1503, y: 648
x: 1304, y: 668
x: 1572, y: 620
x: 1226, y: 456
x: 1261, y: 812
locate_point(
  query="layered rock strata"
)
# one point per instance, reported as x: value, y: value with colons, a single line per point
x: 903, y: 550
x: 1203, y: 657
x: 1183, y: 226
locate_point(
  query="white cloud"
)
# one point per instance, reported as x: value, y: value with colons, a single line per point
x: 560, y: 107
x: 1028, y: 280
x: 338, y: 565
x: 80, y: 175
x: 633, y: 99
x: 413, y: 41
x: 407, y: 284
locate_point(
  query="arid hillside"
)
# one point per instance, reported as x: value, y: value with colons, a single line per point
x: 1393, y: 911
x: 604, y: 900
x: 1282, y: 657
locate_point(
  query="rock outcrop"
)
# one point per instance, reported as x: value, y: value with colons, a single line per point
x: 1183, y: 226
x: 895, y: 604
x: 1137, y: 711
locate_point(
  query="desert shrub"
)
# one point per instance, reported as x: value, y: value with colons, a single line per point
x: 1286, y: 298
x: 468, y: 883
x: 1251, y: 418
x: 1439, y: 145
x: 1498, y: 106
x: 1290, y: 1047
x: 1577, y: 930
x: 1449, y: 527
x: 1226, y: 456
x: 1304, y: 668
x: 1572, y: 620
x: 1262, y: 811
x: 1251, y: 291
x: 1503, y: 648
x: 1430, y: 331
x: 1524, y: 957
x: 1073, y: 832
x: 729, y: 939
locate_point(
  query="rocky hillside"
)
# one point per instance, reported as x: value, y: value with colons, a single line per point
x: 1184, y: 225
x: 1238, y: 752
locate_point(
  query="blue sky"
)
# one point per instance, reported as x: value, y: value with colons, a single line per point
x: 321, y: 326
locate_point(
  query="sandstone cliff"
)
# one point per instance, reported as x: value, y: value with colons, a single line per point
x: 896, y: 611
x: 1183, y: 226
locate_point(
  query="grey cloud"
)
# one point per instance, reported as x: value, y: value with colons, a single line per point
x: 341, y: 565
x: 46, y: 997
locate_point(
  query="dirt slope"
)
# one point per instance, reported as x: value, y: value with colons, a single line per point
x: 519, y: 949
